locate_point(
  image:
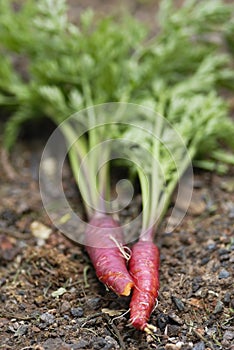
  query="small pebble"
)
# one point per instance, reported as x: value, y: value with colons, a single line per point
x: 199, y: 346
x: 55, y: 343
x: 39, y: 300
x: 3, y: 298
x: 178, y: 303
x: 35, y: 329
x: 110, y: 343
x: 82, y: 344
x: 22, y: 306
x: 65, y: 306
x: 2, y: 281
x: 227, y: 298
x: 218, y: 307
x: 47, y: 318
x: 77, y: 311
x: 21, y: 292
x: 224, y: 257
x: 223, y: 251
x: 100, y: 341
x: 22, y: 330
x: 42, y: 325
x: 228, y: 335
x: 93, y: 303
x: 211, y: 246
x: 205, y: 260
x: 231, y: 213
x: 196, y: 284
x: 224, y: 274
x: 173, y: 330
x: 179, y: 344
x: 174, y: 318
x: 162, y: 321
x: 10, y: 216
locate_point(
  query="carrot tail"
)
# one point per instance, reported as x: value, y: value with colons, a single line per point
x: 103, y: 239
x: 143, y: 267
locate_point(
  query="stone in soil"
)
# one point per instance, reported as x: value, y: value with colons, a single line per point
x: 178, y: 303
x: 199, y: 346
x: 224, y: 274
x: 77, y: 311
x: 47, y: 318
x: 65, y: 306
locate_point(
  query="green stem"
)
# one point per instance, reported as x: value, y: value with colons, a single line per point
x: 166, y: 197
x: 81, y: 181
x: 77, y: 152
x: 155, y: 175
x: 94, y: 137
x: 211, y: 166
x: 103, y: 180
x: 163, y: 202
x: 146, y: 200
x: 223, y: 156
x: 91, y: 114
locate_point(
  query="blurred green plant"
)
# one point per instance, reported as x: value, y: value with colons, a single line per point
x: 64, y: 67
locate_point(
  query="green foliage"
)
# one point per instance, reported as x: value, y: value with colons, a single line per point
x: 64, y: 68
x: 107, y: 59
x: 62, y: 61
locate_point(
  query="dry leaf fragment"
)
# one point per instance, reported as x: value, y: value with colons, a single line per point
x: 40, y: 230
x: 113, y: 312
x: 58, y: 292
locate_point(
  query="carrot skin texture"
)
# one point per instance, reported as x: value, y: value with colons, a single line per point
x: 144, y: 268
x: 109, y: 263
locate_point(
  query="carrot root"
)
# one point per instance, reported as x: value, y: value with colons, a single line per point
x: 100, y: 239
x: 144, y: 268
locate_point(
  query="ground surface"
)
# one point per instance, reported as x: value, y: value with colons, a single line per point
x: 195, y: 306
x: 50, y: 297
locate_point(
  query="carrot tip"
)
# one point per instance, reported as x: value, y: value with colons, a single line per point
x: 127, y: 290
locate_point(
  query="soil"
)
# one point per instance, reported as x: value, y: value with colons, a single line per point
x: 50, y: 297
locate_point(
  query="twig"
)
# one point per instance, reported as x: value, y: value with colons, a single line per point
x: 37, y: 347
x: 6, y: 165
x: 85, y: 271
x: 200, y: 336
x: 89, y: 330
x: 8, y: 314
x: 116, y: 332
x: 90, y: 317
x: 15, y: 233
x: 5, y: 346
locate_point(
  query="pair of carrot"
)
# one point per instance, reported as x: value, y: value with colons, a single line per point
x: 141, y: 277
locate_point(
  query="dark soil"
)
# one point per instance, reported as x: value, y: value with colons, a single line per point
x: 51, y: 299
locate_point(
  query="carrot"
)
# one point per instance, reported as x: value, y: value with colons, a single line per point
x: 144, y: 266
x: 101, y: 237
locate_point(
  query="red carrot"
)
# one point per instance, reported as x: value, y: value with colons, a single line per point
x: 103, y: 238
x: 90, y: 166
x: 143, y: 267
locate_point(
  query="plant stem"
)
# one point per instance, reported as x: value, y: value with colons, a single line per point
x: 76, y: 153
x: 144, y: 182
x: 103, y: 180
x: 155, y: 175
